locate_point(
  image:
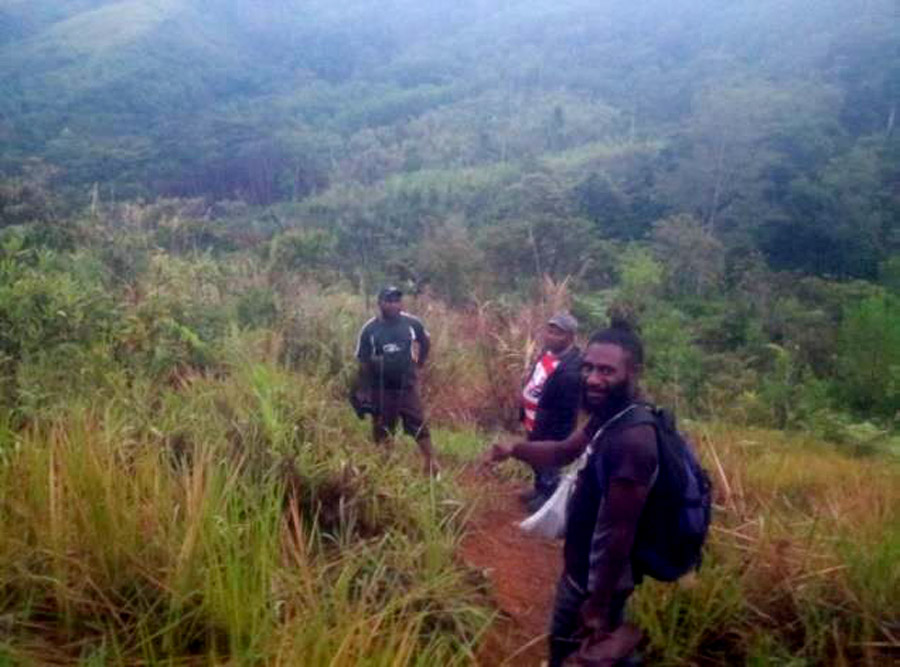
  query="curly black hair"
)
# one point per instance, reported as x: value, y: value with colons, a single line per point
x: 620, y: 333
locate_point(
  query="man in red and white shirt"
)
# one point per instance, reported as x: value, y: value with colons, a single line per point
x: 531, y: 394
x: 551, y: 397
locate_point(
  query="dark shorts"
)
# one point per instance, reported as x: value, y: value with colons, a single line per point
x: 392, y: 405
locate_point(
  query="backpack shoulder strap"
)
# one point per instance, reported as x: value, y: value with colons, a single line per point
x: 638, y: 414
x: 621, y: 418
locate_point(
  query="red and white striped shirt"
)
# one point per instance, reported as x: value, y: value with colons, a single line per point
x: 543, y: 369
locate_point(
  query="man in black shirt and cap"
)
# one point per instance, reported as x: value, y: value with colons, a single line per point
x: 390, y: 349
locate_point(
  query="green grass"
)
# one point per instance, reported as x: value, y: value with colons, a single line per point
x: 802, y: 566
x: 198, y: 493
x: 130, y: 536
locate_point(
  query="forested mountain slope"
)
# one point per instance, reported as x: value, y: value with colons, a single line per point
x: 767, y: 120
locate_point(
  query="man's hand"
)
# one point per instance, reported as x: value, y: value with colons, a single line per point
x: 498, y: 452
x: 594, y: 618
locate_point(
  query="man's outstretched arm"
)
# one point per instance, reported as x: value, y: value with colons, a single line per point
x: 541, y: 453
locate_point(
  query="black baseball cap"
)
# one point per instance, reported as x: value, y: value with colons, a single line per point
x: 390, y: 293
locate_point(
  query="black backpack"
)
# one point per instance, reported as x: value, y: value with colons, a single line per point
x: 676, y: 517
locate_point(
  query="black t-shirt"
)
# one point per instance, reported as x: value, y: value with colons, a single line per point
x: 627, y: 450
x: 388, y: 344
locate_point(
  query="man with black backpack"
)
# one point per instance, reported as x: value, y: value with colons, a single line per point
x: 640, y: 504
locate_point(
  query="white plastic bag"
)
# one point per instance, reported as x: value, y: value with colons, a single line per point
x: 550, y: 519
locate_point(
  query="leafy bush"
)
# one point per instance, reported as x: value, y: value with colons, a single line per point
x: 675, y: 364
x: 158, y: 338
x: 693, y: 257
x: 792, y: 395
x: 641, y: 276
x: 304, y: 251
x: 869, y: 356
x: 257, y: 308
x: 451, y: 264
x: 54, y: 314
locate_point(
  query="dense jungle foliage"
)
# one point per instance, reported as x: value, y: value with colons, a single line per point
x: 724, y: 173
x: 771, y: 123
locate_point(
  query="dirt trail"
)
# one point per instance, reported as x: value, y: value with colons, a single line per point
x: 522, y: 572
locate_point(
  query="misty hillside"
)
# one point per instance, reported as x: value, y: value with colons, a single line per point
x: 771, y: 122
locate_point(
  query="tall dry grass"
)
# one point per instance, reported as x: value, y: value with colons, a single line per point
x: 233, y: 511
x: 482, y: 355
x: 803, y: 565
x: 241, y: 519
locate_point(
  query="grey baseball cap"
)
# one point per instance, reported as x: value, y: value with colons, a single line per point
x: 565, y: 322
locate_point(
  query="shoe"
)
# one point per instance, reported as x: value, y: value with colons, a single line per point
x: 618, y: 648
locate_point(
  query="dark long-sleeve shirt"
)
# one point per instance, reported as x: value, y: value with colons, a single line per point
x: 557, y: 409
